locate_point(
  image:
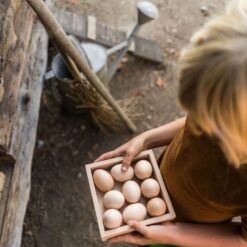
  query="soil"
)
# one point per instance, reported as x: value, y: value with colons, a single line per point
x: 60, y: 212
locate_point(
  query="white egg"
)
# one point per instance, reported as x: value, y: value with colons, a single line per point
x: 112, y: 218
x: 156, y: 207
x: 131, y: 191
x: 143, y: 169
x: 122, y: 176
x: 150, y: 188
x: 136, y: 211
x: 113, y: 199
x: 103, y: 180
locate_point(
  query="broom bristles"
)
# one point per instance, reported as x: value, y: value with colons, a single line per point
x: 102, y: 115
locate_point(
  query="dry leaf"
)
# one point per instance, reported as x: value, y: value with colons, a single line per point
x: 74, y: 2
x: 120, y: 66
x: 29, y: 232
x: 159, y: 82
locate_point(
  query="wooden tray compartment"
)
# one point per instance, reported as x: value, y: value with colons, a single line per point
x: 97, y: 195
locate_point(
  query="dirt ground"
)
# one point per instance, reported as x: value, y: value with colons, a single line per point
x: 60, y: 211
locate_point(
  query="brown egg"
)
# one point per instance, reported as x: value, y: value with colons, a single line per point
x: 150, y: 188
x: 103, y: 180
x: 156, y: 207
x: 143, y: 169
x: 136, y: 211
x: 131, y: 191
x: 122, y: 176
x: 112, y: 218
x: 113, y: 199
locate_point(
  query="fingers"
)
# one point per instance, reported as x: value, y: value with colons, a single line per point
x: 130, y: 238
x: 140, y: 227
x: 104, y: 156
x: 129, y: 156
x: 112, y: 154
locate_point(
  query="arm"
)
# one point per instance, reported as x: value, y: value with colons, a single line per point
x: 163, y: 135
x: 185, y: 234
x: 150, y: 139
x: 212, y: 235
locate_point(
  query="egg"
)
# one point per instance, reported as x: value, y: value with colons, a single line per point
x: 150, y: 188
x: 112, y: 218
x: 113, y: 199
x: 143, y: 169
x: 131, y: 191
x: 156, y: 207
x: 136, y: 211
x: 122, y: 176
x: 103, y: 180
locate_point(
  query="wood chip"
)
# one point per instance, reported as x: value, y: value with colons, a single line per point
x: 159, y: 82
x: 74, y: 2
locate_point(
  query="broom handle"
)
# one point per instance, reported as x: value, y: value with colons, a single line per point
x: 57, y: 34
x: 74, y: 71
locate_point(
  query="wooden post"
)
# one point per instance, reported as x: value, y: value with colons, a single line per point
x: 24, y: 137
x: 26, y: 56
x: 14, y: 41
x: 63, y: 41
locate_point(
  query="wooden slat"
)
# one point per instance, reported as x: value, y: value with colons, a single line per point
x: 147, y: 49
x: 107, y: 36
x: 14, y: 42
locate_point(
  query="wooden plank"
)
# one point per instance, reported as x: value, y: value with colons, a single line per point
x: 107, y: 36
x: 91, y: 28
x: 24, y: 137
x: 2, y: 182
x: 88, y: 27
x: 6, y: 175
x: 14, y: 42
x: 79, y: 25
x: 72, y: 23
x: 148, y: 49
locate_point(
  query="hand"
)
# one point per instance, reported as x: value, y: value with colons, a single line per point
x: 129, y: 150
x: 155, y: 234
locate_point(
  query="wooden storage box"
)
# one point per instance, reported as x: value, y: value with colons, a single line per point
x: 97, y: 195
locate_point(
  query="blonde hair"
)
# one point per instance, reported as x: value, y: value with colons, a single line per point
x: 213, y: 80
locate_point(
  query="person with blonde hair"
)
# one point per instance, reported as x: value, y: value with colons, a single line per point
x: 205, y: 164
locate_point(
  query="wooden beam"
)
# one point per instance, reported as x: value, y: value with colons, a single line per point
x: 24, y: 137
x: 14, y: 42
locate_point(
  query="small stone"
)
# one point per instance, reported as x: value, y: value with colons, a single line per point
x: 204, y: 10
x: 28, y: 232
x: 125, y: 60
x: 79, y: 175
x: 40, y: 144
x: 168, y: 41
x: 172, y: 51
x: 149, y: 117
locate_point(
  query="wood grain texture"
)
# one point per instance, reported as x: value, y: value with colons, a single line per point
x: 24, y: 137
x: 14, y: 42
x: 2, y: 181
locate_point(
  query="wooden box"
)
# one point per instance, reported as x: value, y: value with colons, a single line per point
x: 97, y: 195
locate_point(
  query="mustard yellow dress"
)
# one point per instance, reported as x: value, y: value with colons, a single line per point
x: 204, y: 187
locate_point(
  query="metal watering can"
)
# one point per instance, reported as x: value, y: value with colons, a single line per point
x: 97, y: 55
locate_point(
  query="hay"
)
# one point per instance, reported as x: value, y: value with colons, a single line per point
x: 84, y: 96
